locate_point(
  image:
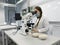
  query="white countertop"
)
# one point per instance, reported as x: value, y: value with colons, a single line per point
x: 3, y: 27
x: 28, y: 40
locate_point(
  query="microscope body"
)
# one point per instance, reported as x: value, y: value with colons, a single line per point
x: 25, y: 24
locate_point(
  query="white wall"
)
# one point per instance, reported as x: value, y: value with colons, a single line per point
x: 2, y: 17
x: 35, y: 2
x: 52, y: 10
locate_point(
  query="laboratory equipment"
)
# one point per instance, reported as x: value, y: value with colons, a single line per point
x: 18, y: 19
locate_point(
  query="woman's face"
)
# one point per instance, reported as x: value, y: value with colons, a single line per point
x: 37, y: 12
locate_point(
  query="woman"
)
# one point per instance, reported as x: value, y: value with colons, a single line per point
x: 41, y: 23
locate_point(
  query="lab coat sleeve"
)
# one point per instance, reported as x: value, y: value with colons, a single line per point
x: 45, y: 27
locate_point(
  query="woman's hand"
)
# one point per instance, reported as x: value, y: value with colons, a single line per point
x: 35, y: 30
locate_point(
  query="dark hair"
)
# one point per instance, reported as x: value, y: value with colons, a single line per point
x: 40, y: 10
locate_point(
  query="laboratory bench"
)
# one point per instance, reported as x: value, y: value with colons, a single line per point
x: 20, y: 39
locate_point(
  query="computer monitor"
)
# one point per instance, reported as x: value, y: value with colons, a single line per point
x: 18, y: 16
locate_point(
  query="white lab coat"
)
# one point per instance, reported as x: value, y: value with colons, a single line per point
x: 43, y: 25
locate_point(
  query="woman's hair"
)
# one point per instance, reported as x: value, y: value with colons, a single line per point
x: 40, y: 10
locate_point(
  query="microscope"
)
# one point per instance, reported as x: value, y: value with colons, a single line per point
x: 30, y: 18
x: 26, y: 20
x: 29, y: 23
x: 30, y: 26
